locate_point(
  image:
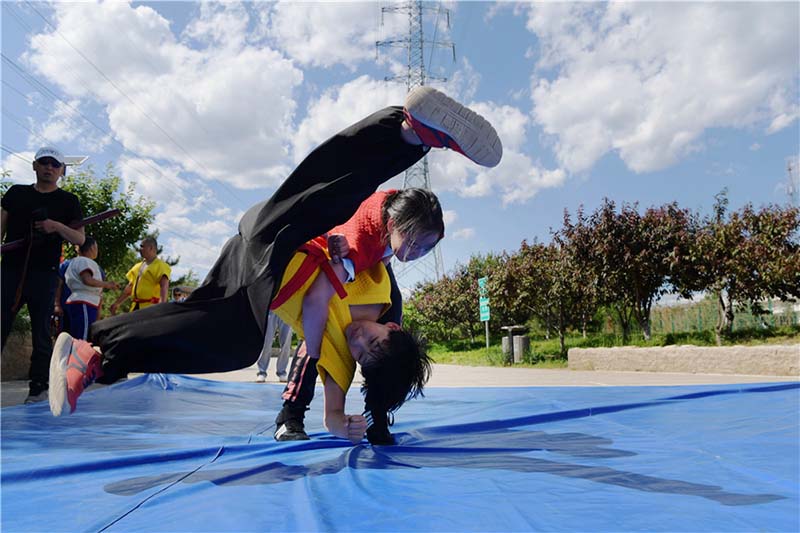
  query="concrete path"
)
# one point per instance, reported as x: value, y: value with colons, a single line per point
x: 14, y: 392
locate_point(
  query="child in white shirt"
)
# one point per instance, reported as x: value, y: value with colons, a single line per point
x: 85, y: 280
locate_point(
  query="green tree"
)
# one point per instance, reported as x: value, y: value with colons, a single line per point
x: 578, y: 241
x: 115, y: 235
x: 744, y: 257
x: 612, y: 254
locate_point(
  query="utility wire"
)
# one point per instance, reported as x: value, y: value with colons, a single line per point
x: 165, y: 229
x: 99, y: 128
x: 433, y: 42
x: 45, y: 141
x: 14, y: 153
x: 123, y: 93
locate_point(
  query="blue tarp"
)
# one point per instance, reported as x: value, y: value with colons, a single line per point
x: 175, y: 453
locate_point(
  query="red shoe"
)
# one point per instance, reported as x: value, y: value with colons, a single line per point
x: 441, y: 122
x: 74, y: 366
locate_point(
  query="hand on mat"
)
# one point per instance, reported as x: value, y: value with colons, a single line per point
x: 356, y: 427
x: 338, y: 247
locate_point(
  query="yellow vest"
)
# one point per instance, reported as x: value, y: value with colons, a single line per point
x: 371, y: 286
x: 147, y: 286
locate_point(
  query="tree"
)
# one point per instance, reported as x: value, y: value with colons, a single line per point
x: 774, y: 253
x: 578, y: 243
x: 743, y: 258
x: 519, y: 287
x: 114, y: 235
x: 439, y: 308
x: 612, y: 254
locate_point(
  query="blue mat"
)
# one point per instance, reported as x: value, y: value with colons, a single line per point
x: 174, y: 453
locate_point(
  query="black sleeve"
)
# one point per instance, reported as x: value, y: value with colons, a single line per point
x: 8, y: 197
x: 75, y: 213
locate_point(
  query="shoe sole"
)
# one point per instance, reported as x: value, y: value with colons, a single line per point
x: 282, y: 435
x: 474, y: 134
x: 59, y: 402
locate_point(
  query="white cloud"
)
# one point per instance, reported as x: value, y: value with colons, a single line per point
x: 646, y: 80
x: 323, y: 34
x: 159, y: 183
x: 516, y: 179
x: 464, y: 234
x: 20, y: 167
x: 755, y: 147
x: 341, y: 106
x: 220, y: 24
x: 202, y: 101
x: 449, y: 216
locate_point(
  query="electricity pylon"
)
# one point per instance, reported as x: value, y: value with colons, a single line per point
x: 430, y: 266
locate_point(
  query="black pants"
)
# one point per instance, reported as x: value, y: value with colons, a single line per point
x: 38, y: 293
x: 220, y: 327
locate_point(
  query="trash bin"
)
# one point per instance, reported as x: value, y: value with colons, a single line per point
x: 522, y: 345
x: 509, y: 344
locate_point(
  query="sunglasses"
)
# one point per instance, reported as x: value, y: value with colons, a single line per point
x: 49, y: 162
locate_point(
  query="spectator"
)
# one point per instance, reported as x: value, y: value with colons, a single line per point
x: 148, y: 280
x: 85, y: 282
x: 40, y: 213
x: 181, y: 292
x: 274, y: 322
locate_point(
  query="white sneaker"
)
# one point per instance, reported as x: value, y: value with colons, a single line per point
x: 283, y: 378
x: 261, y: 378
x: 441, y: 122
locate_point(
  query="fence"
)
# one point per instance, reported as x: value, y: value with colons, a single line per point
x: 702, y: 316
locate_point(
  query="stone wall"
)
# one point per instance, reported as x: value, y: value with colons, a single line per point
x: 16, y: 357
x: 766, y: 360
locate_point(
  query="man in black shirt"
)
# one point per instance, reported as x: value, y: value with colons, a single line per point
x: 41, y: 214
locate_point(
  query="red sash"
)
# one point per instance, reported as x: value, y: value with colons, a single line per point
x: 315, y: 258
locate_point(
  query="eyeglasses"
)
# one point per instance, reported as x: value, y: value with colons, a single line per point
x: 49, y: 162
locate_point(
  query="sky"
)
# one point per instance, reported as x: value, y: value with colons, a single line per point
x: 207, y: 107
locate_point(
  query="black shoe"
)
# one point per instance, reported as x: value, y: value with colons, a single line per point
x: 378, y: 431
x: 37, y: 392
x: 289, y: 425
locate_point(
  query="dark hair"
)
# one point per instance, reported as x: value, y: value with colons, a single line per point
x: 413, y: 211
x: 150, y: 240
x: 399, y: 372
x: 88, y: 242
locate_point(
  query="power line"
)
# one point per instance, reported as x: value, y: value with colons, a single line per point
x: 45, y: 141
x: 15, y: 154
x: 102, y: 130
x: 166, y: 229
x: 123, y: 93
x: 35, y: 83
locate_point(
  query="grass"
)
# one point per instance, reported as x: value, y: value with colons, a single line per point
x: 545, y: 353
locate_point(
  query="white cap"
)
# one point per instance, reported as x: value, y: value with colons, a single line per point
x: 49, y: 151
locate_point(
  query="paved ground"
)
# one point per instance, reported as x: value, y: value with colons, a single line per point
x: 14, y: 392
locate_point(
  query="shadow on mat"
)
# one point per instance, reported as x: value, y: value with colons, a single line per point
x: 492, y: 449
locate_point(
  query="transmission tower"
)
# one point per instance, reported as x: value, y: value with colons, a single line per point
x: 414, y: 43
x: 793, y: 180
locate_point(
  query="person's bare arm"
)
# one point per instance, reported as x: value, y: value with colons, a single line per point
x: 315, y: 309
x: 122, y: 297
x: 91, y: 281
x: 350, y: 427
x: 75, y: 236
x: 164, y: 285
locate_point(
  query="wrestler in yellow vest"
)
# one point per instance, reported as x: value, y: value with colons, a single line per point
x: 371, y: 286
